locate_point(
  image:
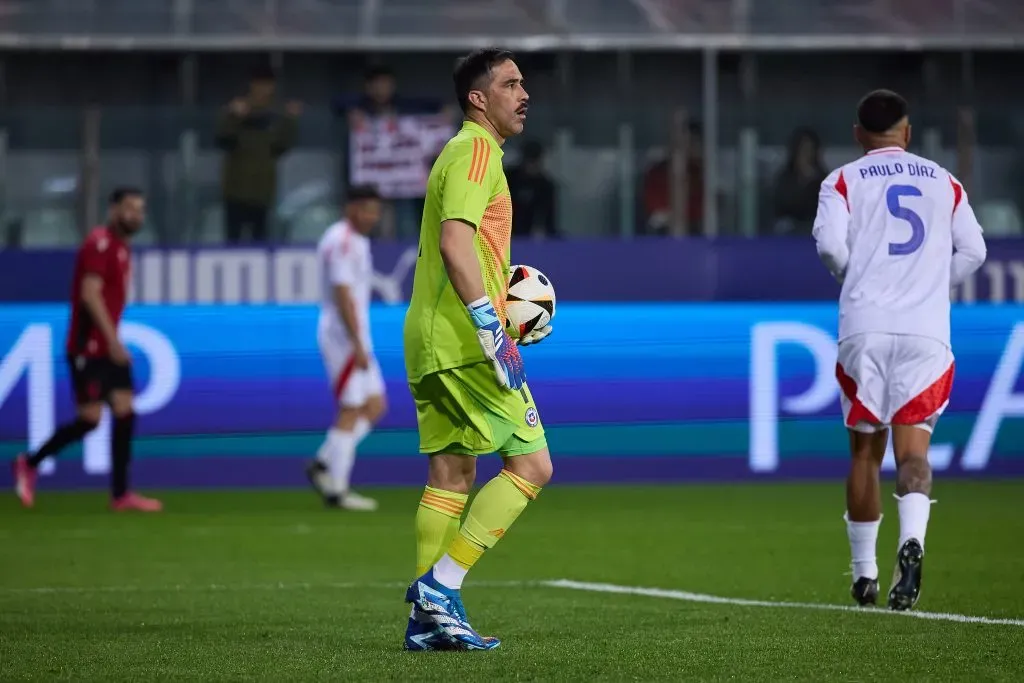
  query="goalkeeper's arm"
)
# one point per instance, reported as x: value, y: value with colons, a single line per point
x: 463, y: 267
x: 460, y: 260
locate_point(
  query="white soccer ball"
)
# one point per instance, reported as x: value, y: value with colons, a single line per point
x: 530, y: 303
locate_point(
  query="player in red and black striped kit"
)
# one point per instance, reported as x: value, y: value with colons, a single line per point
x: 101, y: 369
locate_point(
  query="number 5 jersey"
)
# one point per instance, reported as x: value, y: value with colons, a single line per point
x: 897, y: 231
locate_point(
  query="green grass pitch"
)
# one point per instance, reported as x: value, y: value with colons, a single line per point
x: 270, y: 586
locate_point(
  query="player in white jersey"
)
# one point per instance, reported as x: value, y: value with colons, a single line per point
x: 343, y: 334
x: 897, y: 231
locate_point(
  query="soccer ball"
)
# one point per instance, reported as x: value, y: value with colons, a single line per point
x: 530, y: 303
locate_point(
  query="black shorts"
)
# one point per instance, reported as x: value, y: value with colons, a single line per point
x: 92, y: 379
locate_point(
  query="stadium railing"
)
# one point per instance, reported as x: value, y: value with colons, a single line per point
x: 522, y: 24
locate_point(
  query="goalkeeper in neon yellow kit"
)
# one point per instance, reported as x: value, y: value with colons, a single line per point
x: 465, y: 372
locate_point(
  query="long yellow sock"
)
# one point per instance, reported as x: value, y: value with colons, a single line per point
x: 437, y: 523
x: 493, y: 511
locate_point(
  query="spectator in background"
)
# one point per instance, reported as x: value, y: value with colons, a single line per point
x: 797, y: 184
x: 380, y: 98
x: 377, y: 109
x: 533, y: 195
x: 253, y: 136
x: 657, y: 197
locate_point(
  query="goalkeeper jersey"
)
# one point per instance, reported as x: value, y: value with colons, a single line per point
x: 467, y: 183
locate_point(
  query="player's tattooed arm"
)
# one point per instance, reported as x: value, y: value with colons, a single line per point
x: 458, y: 251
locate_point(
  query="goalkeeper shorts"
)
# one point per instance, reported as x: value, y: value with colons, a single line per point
x: 463, y: 411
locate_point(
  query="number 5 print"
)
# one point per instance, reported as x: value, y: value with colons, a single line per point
x: 892, y: 200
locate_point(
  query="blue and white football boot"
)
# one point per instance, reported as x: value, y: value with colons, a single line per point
x: 443, y: 607
x: 423, y: 635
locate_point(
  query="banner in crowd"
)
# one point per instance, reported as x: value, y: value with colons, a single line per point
x: 236, y: 395
x: 394, y: 153
x: 664, y: 270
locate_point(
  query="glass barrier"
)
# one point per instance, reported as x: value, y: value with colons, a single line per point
x: 60, y: 163
x: 627, y: 161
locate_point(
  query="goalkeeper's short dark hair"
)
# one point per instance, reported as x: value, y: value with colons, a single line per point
x: 472, y: 70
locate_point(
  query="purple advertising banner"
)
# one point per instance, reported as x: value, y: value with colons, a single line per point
x: 238, y: 395
x: 656, y: 270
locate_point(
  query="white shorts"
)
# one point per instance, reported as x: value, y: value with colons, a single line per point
x: 351, y: 386
x: 893, y: 379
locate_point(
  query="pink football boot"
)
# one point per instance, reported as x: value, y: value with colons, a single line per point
x: 133, y: 501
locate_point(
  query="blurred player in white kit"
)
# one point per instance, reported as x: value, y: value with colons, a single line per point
x: 897, y: 231
x: 343, y: 334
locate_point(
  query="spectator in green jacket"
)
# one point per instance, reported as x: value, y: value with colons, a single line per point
x: 254, y: 135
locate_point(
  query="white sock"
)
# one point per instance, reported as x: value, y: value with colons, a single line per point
x: 362, y: 428
x: 342, y: 450
x: 863, y: 541
x: 359, y: 432
x: 323, y: 454
x: 449, y: 573
x: 914, y: 510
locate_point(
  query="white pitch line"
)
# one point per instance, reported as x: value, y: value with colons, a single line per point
x: 667, y: 594
x: 743, y: 602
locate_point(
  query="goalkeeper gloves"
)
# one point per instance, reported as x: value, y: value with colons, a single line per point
x: 534, y: 336
x: 497, y: 345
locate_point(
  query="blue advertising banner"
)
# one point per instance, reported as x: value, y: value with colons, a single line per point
x: 237, y: 395
x: 776, y: 269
